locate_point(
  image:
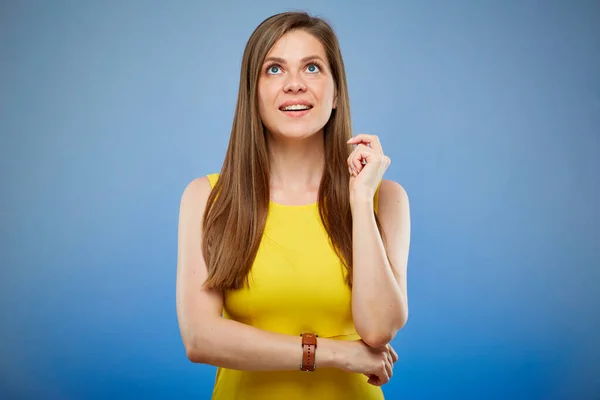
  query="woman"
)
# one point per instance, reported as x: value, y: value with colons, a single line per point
x: 283, y: 264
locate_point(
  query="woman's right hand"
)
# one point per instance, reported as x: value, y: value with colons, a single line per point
x: 375, y: 363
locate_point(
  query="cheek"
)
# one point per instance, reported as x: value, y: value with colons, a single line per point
x: 263, y: 101
x: 266, y: 98
x: 327, y: 96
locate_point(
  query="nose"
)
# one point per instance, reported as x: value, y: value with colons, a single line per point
x: 294, y: 83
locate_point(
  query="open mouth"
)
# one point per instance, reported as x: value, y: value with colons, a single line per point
x: 296, y: 108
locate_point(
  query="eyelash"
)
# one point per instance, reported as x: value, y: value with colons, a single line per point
x: 318, y: 64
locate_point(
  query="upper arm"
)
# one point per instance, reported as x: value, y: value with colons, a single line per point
x: 194, y: 303
x: 394, y: 217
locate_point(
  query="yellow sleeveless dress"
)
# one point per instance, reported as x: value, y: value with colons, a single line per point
x: 296, y: 285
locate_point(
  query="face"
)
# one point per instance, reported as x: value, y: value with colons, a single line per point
x: 295, y: 87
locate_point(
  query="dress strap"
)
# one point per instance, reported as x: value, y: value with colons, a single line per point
x: 376, y: 198
x: 212, y: 178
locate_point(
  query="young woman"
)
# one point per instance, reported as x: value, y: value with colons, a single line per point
x: 291, y: 275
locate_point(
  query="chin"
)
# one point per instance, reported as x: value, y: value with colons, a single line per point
x: 297, y: 132
x: 297, y: 129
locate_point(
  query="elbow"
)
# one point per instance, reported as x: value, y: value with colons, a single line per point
x: 193, y: 355
x: 193, y: 351
x: 199, y: 343
x: 377, y: 338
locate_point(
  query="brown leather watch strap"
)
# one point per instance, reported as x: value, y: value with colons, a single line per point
x: 309, y: 347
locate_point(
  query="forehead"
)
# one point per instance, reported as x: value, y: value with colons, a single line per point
x: 297, y: 44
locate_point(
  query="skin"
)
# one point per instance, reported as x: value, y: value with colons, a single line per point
x: 379, y: 294
x: 297, y: 69
x: 297, y: 162
x: 297, y: 154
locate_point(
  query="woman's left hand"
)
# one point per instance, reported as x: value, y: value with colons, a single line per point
x: 366, y: 165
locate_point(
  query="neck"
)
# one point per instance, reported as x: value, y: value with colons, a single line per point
x: 296, y: 164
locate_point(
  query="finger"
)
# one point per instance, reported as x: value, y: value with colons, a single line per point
x: 354, y: 161
x: 392, y: 361
x: 387, y: 160
x: 390, y: 358
x: 381, y: 374
x: 351, y: 165
x: 351, y: 162
x: 377, y: 380
x: 360, y: 153
x: 389, y: 367
x: 371, y: 140
x: 385, y: 374
x: 364, y: 138
x: 393, y: 353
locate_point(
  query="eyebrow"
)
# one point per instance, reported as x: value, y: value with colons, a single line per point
x: 282, y: 61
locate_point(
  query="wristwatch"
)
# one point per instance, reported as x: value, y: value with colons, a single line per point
x: 309, y: 347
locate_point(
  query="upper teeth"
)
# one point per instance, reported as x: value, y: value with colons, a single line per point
x: 297, y: 107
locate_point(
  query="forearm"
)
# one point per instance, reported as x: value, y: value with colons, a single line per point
x: 378, y: 304
x: 234, y: 345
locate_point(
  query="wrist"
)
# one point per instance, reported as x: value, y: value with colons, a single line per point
x: 359, y: 198
x: 328, y: 354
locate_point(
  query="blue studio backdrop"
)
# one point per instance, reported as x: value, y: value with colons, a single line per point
x: 490, y: 112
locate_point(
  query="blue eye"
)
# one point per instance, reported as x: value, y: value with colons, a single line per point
x: 273, y: 69
x: 313, y: 68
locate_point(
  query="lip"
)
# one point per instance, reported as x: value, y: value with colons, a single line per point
x: 296, y: 114
x: 295, y: 102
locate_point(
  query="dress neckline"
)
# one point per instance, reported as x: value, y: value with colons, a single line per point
x: 292, y: 206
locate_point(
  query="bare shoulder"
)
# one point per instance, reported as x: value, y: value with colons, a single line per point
x: 392, y: 193
x: 195, y: 194
x: 197, y: 187
x: 393, y: 206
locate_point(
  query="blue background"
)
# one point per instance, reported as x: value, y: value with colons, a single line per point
x: 490, y: 112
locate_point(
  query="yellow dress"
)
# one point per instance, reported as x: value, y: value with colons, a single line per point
x: 296, y: 285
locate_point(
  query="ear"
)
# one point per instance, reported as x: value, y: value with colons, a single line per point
x: 335, y: 101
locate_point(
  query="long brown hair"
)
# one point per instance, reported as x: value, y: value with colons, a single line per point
x: 236, y: 210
